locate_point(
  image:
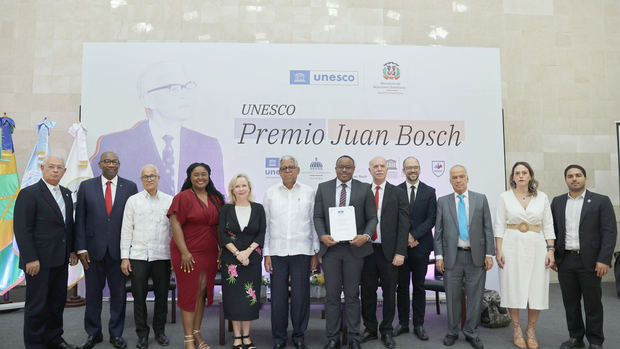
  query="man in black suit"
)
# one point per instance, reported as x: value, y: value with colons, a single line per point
x: 389, y: 242
x: 343, y: 260
x: 43, y: 226
x: 585, y: 228
x: 98, y: 219
x: 422, y: 214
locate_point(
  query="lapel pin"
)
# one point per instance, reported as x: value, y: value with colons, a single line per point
x: 589, y: 200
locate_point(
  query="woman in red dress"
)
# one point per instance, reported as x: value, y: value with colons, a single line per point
x: 194, y: 215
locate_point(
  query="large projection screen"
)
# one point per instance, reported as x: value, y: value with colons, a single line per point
x: 240, y: 107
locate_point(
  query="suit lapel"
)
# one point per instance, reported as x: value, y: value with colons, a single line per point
x: 452, y: 210
x: 586, y: 206
x: 562, y: 214
x: 472, y: 207
x: 331, y: 190
x: 49, y: 198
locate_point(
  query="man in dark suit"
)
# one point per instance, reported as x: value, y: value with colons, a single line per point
x: 43, y: 226
x: 98, y: 219
x: 168, y: 95
x: 464, y: 249
x: 422, y: 214
x: 343, y: 260
x: 585, y: 228
x: 389, y: 242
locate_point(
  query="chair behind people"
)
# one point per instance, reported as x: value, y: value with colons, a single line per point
x: 173, y: 295
x: 436, y: 285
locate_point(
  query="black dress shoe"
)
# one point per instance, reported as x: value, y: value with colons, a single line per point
x: 279, y: 345
x: 162, y: 340
x: 90, y: 341
x: 118, y: 342
x: 63, y: 345
x: 332, y: 344
x: 476, y: 343
x: 299, y: 345
x: 354, y: 345
x: 573, y: 343
x: 596, y: 346
x: 368, y: 336
x: 388, y: 341
x: 420, y: 333
x: 143, y: 343
x: 449, y: 340
x: 400, y: 329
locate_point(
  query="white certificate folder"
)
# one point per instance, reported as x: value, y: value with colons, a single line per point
x: 342, y: 223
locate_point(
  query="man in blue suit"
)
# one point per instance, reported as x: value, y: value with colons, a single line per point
x: 98, y: 218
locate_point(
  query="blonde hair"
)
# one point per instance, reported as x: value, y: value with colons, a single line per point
x: 231, y: 186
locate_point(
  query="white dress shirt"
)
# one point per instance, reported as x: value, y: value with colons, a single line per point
x: 145, y: 233
x: 339, y: 190
x: 573, y: 215
x: 290, y: 225
x: 415, y: 188
x: 104, y: 182
x: 381, y: 192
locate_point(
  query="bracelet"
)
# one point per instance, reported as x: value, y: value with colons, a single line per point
x: 550, y: 247
x: 236, y: 253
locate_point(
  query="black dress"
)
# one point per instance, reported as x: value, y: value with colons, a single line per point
x: 241, y: 284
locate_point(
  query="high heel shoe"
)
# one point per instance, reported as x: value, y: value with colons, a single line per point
x: 530, y: 332
x: 517, y: 334
x: 189, y: 339
x: 248, y: 345
x: 201, y: 343
x: 238, y: 346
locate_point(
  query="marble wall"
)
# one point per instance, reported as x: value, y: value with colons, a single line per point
x: 560, y: 59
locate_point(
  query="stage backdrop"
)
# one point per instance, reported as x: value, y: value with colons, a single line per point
x: 239, y: 107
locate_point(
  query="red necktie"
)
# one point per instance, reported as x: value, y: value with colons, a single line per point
x: 374, y: 235
x: 343, y: 195
x: 108, y: 197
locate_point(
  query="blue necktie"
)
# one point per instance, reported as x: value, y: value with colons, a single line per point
x: 463, y: 234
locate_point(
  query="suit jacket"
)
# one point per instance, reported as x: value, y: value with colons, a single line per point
x: 365, y: 212
x: 135, y: 148
x: 39, y: 228
x: 597, y: 229
x: 422, y: 215
x: 480, y: 229
x: 228, y: 227
x: 394, y: 222
x: 95, y: 231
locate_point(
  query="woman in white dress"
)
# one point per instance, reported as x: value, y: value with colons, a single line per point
x: 524, y: 241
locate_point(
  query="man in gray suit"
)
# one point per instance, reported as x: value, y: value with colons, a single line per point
x: 343, y: 261
x: 464, y: 248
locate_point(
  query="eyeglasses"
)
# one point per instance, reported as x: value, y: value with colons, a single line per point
x: 411, y: 168
x: 344, y: 168
x: 110, y: 162
x: 149, y: 177
x: 288, y: 168
x: 175, y: 89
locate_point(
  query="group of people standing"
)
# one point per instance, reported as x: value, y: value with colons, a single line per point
x: 119, y: 232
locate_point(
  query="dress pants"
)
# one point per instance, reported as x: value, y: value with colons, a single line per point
x: 577, y: 281
x: 46, y: 295
x: 96, y: 275
x: 464, y: 272
x: 342, y: 272
x: 297, y: 268
x: 416, y: 264
x: 159, y: 271
x: 377, y: 267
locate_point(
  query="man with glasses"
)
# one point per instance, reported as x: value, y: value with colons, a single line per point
x: 422, y: 214
x: 98, y: 218
x: 291, y: 250
x: 145, y: 253
x: 168, y: 96
x: 343, y: 260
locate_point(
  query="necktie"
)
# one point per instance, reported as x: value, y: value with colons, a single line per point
x: 412, y: 196
x: 167, y: 158
x: 343, y: 195
x: 108, y: 197
x: 463, y: 233
x: 60, y: 201
x: 374, y: 235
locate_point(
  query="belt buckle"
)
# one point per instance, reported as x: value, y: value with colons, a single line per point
x: 523, y: 227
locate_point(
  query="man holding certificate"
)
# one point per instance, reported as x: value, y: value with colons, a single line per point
x: 348, y: 207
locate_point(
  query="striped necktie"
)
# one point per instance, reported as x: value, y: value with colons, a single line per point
x: 60, y: 201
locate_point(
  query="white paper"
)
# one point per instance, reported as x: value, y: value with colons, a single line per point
x: 342, y: 225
